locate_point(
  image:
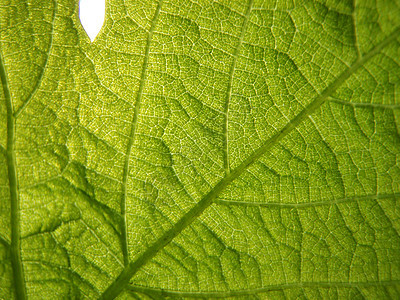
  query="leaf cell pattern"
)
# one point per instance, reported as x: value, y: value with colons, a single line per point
x: 200, y: 149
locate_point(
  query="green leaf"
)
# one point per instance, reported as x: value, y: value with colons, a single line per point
x: 234, y: 149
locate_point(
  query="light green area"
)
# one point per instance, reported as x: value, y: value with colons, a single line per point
x: 213, y: 149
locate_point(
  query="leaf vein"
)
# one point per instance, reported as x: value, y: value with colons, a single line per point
x: 229, y: 88
x: 172, y: 293
x: 41, y: 75
x: 134, y: 266
x: 16, y: 262
x: 373, y: 105
x: 308, y: 204
x: 124, y: 238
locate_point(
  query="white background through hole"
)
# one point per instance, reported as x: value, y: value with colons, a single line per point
x: 91, y: 14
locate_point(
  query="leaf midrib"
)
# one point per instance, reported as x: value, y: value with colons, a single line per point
x: 16, y: 262
x: 133, y: 267
x: 15, y: 244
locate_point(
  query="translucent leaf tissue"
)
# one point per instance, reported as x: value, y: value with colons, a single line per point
x: 213, y: 149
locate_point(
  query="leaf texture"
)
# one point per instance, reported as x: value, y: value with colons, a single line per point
x: 200, y: 149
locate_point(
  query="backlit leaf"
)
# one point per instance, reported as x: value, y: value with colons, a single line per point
x: 234, y: 149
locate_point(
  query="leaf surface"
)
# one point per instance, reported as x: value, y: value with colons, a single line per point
x: 234, y: 149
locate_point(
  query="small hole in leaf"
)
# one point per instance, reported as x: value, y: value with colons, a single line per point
x: 91, y: 14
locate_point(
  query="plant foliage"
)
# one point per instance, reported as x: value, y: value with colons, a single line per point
x: 245, y: 149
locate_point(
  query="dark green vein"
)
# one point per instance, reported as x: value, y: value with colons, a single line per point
x: 67, y: 270
x: 137, y: 297
x: 5, y: 241
x: 124, y: 238
x: 3, y: 150
x: 108, y: 213
x: 168, y: 293
x: 358, y: 104
x: 133, y: 267
x: 308, y: 204
x: 41, y: 75
x: 18, y: 273
x: 229, y: 88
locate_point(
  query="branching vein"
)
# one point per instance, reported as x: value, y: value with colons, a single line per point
x: 133, y: 267
x: 16, y: 262
x: 308, y: 204
x: 124, y: 238
x: 229, y: 88
x: 41, y: 75
x: 168, y: 293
